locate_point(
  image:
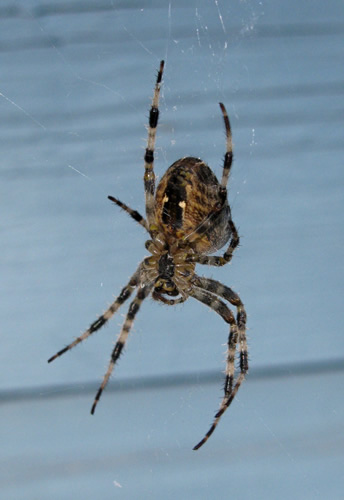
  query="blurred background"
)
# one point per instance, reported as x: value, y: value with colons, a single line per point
x: 76, y: 83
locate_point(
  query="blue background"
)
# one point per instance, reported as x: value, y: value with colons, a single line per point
x: 75, y: 88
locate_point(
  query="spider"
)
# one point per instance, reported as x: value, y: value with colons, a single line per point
x: 187, y: 218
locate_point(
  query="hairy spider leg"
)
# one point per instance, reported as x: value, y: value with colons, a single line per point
x: 225, y: 404
x: 133, y: 213
x: 205, y: 291
x: 217, y: 260
x: 227, y: 293
x: 149, y: 176
x: 229, y: 147
x: 99, y: 322
x: 213, y: 260
x: 142, y: 293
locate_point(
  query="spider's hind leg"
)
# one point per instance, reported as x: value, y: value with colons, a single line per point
x: 208, y: 292
x: 217, y: 288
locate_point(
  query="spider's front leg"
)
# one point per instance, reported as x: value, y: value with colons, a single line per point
x: 104, y: 318
x: 142, y: 293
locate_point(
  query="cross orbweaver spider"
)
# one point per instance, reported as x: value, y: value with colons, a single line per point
x: 187, y: 217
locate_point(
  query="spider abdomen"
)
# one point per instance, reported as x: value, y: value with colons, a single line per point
x: 190, y: 206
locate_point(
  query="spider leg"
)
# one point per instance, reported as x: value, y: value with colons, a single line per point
x: 218, y: 260
x: 99, y: 322
x: 133, y: 213
x: 217, y: 288
x: 201, y: 293
x: 142, y: 293
x: 224, y: 405
x: 229, y: 147
x: 149, y: 176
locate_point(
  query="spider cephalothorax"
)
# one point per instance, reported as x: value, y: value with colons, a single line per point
x: 188, y: 218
